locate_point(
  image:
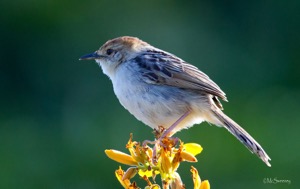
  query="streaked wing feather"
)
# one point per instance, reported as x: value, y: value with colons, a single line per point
x: 161, y: 68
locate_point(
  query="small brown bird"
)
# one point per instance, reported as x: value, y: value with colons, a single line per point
x: 160, y: 89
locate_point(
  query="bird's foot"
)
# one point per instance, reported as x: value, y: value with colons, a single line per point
x: 162, y: 141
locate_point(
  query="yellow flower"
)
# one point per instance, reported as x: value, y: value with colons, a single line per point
x: 193, y: 148
x: 120, y: 157
x: 124, y: 182
x: 162, y: 159
x: 197, y: 181
x: 205, y: 185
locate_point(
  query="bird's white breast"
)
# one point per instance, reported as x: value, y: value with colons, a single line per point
x: 154, y: 105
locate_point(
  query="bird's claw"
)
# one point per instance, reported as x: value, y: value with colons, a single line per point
x: 163, y: 140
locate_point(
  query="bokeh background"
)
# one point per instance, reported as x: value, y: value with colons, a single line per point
x: 58, y: 114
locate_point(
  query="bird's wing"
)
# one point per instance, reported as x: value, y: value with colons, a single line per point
x: 161, y: 68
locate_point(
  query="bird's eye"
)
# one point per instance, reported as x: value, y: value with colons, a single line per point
x: 109, y: 51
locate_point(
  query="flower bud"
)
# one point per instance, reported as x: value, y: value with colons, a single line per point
x: 186, y: 156
x: 121, y: 157
x: 130, y: 173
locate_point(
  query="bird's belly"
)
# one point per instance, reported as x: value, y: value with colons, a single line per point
x: 157, y: 105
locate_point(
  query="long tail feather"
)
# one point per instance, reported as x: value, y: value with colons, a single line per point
x: 242, y: 136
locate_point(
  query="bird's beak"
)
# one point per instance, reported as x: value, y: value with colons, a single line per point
x: 91, y: 56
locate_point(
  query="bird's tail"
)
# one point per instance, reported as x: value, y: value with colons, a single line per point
x: 242, y: 136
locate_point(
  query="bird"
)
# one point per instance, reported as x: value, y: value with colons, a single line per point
x: 162, y: 90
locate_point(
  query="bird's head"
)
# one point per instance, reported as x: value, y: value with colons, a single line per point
x: 116, y: 51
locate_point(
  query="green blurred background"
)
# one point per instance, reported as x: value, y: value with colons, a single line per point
x: 58, y: 114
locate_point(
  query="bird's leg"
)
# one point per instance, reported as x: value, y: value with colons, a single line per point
x: 164, y: 139
x: 168, y: 132
x: 157, y: 134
